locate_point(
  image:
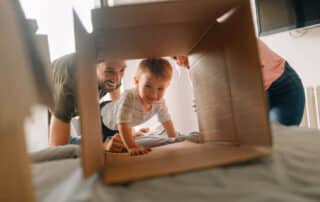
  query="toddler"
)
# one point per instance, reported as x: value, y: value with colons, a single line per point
x: 139, y: 104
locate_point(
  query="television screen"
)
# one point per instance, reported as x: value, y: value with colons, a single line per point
x: 275, y: 16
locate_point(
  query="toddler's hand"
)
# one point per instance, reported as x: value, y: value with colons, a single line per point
x: 115, y: 144
x: 138, y: 150
x: 144, y: 130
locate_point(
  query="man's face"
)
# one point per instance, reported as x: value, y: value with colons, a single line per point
x: 109, y: 74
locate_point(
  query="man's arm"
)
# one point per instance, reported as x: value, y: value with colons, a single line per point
x: 59, y: 132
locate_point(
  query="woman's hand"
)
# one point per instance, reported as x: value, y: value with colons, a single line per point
x: 182, y: 61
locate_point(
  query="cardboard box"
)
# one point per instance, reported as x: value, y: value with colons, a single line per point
x: 24, y: 83
x: 226, y: 78
x: 226, y: 75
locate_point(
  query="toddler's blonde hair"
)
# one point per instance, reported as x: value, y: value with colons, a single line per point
x: 157, y: 67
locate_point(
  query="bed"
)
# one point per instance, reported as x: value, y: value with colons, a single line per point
x: 291, y: 173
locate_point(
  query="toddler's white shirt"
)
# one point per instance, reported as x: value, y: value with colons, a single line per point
x: 129, y: 109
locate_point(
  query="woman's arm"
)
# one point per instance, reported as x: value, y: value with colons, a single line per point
x: 168, y: 125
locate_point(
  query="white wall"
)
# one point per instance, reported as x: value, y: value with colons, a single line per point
x: 54, y: 18
x: 302, y: 52
x: 300, y: 48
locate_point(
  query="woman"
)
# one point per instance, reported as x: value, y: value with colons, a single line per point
x: 282, y: 84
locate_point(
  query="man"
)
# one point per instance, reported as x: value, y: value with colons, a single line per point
x: 109, y: 75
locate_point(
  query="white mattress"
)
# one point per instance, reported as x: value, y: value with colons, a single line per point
x: 291, y: 173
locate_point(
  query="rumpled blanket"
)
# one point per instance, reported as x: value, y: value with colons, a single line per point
x: 291, y: 173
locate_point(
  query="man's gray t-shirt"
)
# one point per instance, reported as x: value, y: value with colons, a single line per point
x: 64, y: 88
x: 129, y: 109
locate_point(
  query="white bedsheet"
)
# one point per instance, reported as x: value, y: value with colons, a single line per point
x: 292, y: 173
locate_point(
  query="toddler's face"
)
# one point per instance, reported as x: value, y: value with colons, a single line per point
x: 150, y: 88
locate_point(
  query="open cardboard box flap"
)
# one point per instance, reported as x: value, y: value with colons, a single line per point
x: 226, y: 78
x: 24, y: 83
x: 155, y: 29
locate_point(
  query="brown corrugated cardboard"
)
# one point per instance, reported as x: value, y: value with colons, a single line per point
x: 174, y: 158
x: 23, y: 84
x: 155, y: 29
x: 88, y: 105
x: 226, y: 60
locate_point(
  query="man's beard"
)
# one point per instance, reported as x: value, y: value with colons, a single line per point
x: 109, y: 86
